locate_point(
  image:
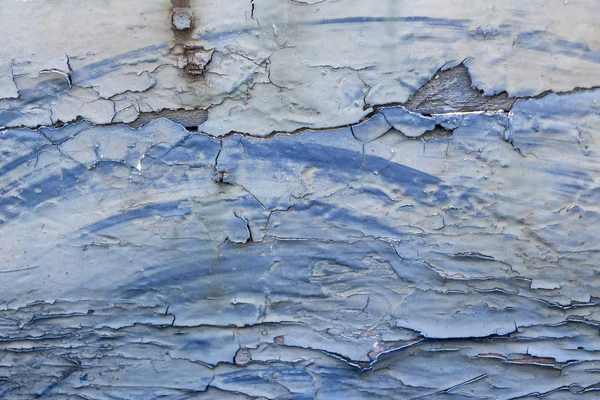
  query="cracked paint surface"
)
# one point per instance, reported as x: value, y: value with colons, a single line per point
x: 268, y: 58
x: 300, y: 199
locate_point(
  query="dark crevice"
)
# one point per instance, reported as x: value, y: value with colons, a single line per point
x: 189, y: 119
x: 439, y: 132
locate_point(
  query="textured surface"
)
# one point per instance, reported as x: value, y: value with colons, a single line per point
x: 300, y: 199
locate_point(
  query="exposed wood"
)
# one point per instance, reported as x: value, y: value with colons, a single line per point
x: 452, y: 91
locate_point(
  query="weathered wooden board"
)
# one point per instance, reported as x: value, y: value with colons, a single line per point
x: 300, y: 200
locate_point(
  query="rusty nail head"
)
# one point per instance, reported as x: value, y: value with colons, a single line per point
x: 182, y: 18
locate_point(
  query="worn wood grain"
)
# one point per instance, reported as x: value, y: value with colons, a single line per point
x: 452, y: 91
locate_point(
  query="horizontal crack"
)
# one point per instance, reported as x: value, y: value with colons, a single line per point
x: 448, y: 92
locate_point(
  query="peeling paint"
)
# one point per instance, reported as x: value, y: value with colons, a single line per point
x: 299, y: 199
